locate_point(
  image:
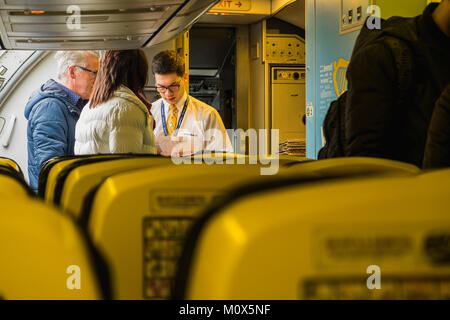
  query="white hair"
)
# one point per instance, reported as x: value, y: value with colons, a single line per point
x: 65, y: 59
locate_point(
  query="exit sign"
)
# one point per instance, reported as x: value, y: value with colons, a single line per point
x: 233, y: 5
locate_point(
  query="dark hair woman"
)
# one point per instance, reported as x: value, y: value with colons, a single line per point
x: 117, y: 118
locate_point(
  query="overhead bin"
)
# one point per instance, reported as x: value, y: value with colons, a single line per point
x: 95, y: 24
x: 183, y: 20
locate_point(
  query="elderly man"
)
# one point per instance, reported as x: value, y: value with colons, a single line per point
x: 53, y: 109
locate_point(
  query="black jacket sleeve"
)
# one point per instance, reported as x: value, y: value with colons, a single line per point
x: 437, y: 149
x: 371, y: 113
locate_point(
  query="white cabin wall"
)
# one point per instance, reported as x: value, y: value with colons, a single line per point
x: 15, y: 104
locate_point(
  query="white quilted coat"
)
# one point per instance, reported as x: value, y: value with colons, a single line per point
x: 120, y: 125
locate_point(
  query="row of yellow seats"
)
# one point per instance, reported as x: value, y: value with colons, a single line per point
x: 44, y: 254
x: 11, y: 164
x: 374, y: 238
x: 139, y: 216
x: 66, y: 181
x: 11, y: 179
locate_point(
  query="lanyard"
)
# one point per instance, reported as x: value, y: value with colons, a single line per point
x: 163, y: 116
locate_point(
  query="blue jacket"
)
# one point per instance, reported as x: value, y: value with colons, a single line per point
x: 52, y: 115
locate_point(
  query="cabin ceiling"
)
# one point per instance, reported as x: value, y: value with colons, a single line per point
x: 294, y: 14
x: 95, y: 24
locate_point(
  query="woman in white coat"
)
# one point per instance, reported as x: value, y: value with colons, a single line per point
x: 117, y: 118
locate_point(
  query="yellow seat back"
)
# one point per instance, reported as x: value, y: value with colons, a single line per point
x: 329, y: 240
x: 292, y: 159
x: 6, y: 162
x: 44, y: 254
x: 82, y: 178
x: 139, y: 220
x: 53, y: 168
x: 146, y: 206
x: 12, y: 181
x: 52, y: 178
x: 216, y: 155
x: 352, y: 166
x: 13, y: 184
x: 233, y: 158
x: 44, y: 172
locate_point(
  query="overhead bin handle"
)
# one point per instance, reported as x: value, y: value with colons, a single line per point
x: 8, y: 131
x: 2, y: 124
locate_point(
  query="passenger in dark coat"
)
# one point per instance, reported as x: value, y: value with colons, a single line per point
x: 377, y: 124
x: 437, y: 151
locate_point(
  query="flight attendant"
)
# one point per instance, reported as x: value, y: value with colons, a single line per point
x: 181, y: 118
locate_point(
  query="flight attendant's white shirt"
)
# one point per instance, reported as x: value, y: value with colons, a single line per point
x: 200, y: 121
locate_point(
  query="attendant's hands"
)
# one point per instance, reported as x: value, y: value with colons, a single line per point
x: 175, y: 146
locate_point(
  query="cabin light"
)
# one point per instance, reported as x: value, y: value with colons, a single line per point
x: 158, y: 8
x: 28, y: 12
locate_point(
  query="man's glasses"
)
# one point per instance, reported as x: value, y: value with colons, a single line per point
x: 174, y: 88
x: 88, y: 70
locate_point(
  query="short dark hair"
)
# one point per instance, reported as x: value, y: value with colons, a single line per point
x: 167, y: 62
x: 119, y: 67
